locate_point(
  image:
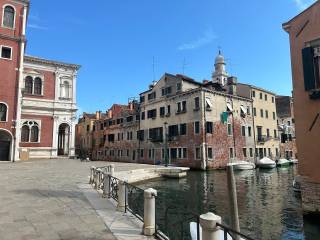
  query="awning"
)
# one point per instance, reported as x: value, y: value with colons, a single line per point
x: 208, y: 101
x: 243, y: 110
x: 229, y: 107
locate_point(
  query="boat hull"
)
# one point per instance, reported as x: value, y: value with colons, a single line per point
x: 243, y: 167
x: 267, y: 165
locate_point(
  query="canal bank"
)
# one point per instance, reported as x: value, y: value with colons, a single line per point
x: 268, y: 206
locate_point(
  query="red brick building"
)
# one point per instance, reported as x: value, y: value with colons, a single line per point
x: 37, y: 96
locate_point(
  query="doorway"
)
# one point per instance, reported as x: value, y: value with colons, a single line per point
x: 5, y: 145
x: 63, y: 140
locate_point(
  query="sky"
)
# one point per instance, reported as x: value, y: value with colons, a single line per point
x: 123, y: 45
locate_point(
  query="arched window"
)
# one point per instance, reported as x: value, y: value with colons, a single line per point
x: 30, y: 132
x: 3, y: 112
x: 66, y: 87
x: 37, y: 86
x: 8, y: 17
x: 28, y: 87
x: 25, y: 133
x: 34, y: 137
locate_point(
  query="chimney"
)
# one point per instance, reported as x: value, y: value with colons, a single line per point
x: 110, y: 113
x: 232, y: 85
x: 131, y: 106
x: 205, y: 81
x: 98, y: 115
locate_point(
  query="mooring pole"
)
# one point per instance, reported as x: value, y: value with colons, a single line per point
x: 232, y: 190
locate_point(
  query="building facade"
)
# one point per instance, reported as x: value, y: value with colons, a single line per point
x: 37, y: 96
x: 304, y: 34
x: 286, y: 126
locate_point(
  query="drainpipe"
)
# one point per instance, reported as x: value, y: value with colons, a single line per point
x: 254, y: 133
x: 205, y: 160
x: 20, y: 85
x: 233, y: 132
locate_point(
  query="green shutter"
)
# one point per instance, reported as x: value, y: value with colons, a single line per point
x: 308, y: 68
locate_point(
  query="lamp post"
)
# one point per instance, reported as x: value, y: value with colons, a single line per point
x: 166, y: 144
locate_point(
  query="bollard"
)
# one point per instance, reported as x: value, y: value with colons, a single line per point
x: 149, y: 219
x: 106, y: 185
x: 95, y: 176
x: 208, y: 223
x: 121, y: 207
x: 92, y: 174
x: 112, y: 169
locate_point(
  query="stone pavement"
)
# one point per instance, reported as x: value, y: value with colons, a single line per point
x: 40, y: 199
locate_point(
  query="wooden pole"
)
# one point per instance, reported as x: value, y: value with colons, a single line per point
x: 232, y: 190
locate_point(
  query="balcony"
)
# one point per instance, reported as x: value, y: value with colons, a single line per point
x: 156, y: 139
x: 263, y: 138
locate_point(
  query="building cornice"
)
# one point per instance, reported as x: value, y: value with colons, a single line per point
x: 37, y: 60
x: 16, y: 39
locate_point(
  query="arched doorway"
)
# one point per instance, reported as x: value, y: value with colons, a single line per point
x: 5, y: 145
x: 63, y: 139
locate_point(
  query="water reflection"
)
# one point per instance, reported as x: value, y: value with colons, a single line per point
x: 268, y: 206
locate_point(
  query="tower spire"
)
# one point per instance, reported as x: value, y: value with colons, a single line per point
x: 220, y: 75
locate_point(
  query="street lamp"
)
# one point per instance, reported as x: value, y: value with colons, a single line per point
x: 166, y: 144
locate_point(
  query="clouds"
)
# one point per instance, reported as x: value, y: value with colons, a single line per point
x: 36, y: 26
x: 35, y: 22
x: 203, y: 40
x: 303, y: 4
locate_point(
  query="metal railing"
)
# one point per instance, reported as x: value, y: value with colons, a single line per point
x: 113, y: 187
x: 179, y: 227
x: 134, y: 200
x: 229, y: 232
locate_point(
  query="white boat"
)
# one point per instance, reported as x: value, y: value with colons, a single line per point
x: 283, y: 163
x: 266, y: 163
x: 293, y: 161
x: 242, y: 165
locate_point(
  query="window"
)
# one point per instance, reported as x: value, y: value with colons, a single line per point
x: 277, y: 152
x: 253, y: 93
x: 248, y: 110
x: 30, y: 132
x: 209, y: 127
x: 229, y: 129
x: 244, y: 151
x: 269, y: 152
x: 261, y: 113
x: 65, y: 90
x: 289, y: 123
x: 274, y: 115
x: 152, y: 113
x: 173, y: 130
x: 6, y: 52
x: 196, y: 127
x: 243, y: 131
x: 155, y: 134
x: 275, y: 133
x: 111, y: 138
x: 268, y: 132
x: 196, y: 103
x: 210, y: 153
x: 8, y: 17
x: 3, y: 112
x: 182, y: 153
x: 230, y: 152
x: 251, y: 152
x: 208, y: 104
x: 140, y: 135
x: 129, y: 119
x: 166, y: 91
x: 260, y: 95
x: 272, y: 99
x: 179, y: 85
x: 143, y: 115
x: 249, y: 131
x: 183, y: 129
x: 311, y: 67
x: 142, y: 99
x: 181, y: 107
x: 266, y: 97
x: 267, y: 114
x: 198, y: 153
x: 28, y: 87
x: 162, y: 111
x: 254, y: 112
x: 37, y: 86
x: 151, y: 96
x: 168, y: 110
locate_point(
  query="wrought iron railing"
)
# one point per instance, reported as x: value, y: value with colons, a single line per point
x: 176, y: 224
x: 113, y: 187
x: 134, y: 200
x: 231, y: 233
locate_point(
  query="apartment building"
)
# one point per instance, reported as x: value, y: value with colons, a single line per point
x: 264, y: 119
x: 180, y: 121
x: 304, y: 34
x: 286, y: 126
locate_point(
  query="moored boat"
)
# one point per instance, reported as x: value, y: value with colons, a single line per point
x: 283, y: 162
x: 242, y: 165
x: 266, y: 163
x: 293, y: 161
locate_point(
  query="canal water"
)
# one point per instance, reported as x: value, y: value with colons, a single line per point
x: 268, y: 206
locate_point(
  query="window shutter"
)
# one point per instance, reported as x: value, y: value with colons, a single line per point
x: 308, y: 68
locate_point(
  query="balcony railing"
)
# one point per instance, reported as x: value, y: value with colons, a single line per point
x: 263, y: 138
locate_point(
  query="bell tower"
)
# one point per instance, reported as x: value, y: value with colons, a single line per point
x: 220, y: 75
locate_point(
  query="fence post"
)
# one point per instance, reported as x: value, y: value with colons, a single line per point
x: 149, y: 218
x: 92, y: 174
x: 97, y: 178
x: 111, y: 169
x: 208, y: 223
x: 121, y: 207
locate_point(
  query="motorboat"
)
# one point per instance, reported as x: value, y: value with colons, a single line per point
x: 293, y: 161
x: 283, y: 162
x: 266, y: 163
x: 242, y: 165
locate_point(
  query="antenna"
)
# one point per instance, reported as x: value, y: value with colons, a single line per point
x: 153, y: 70
x: 184, y: 65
